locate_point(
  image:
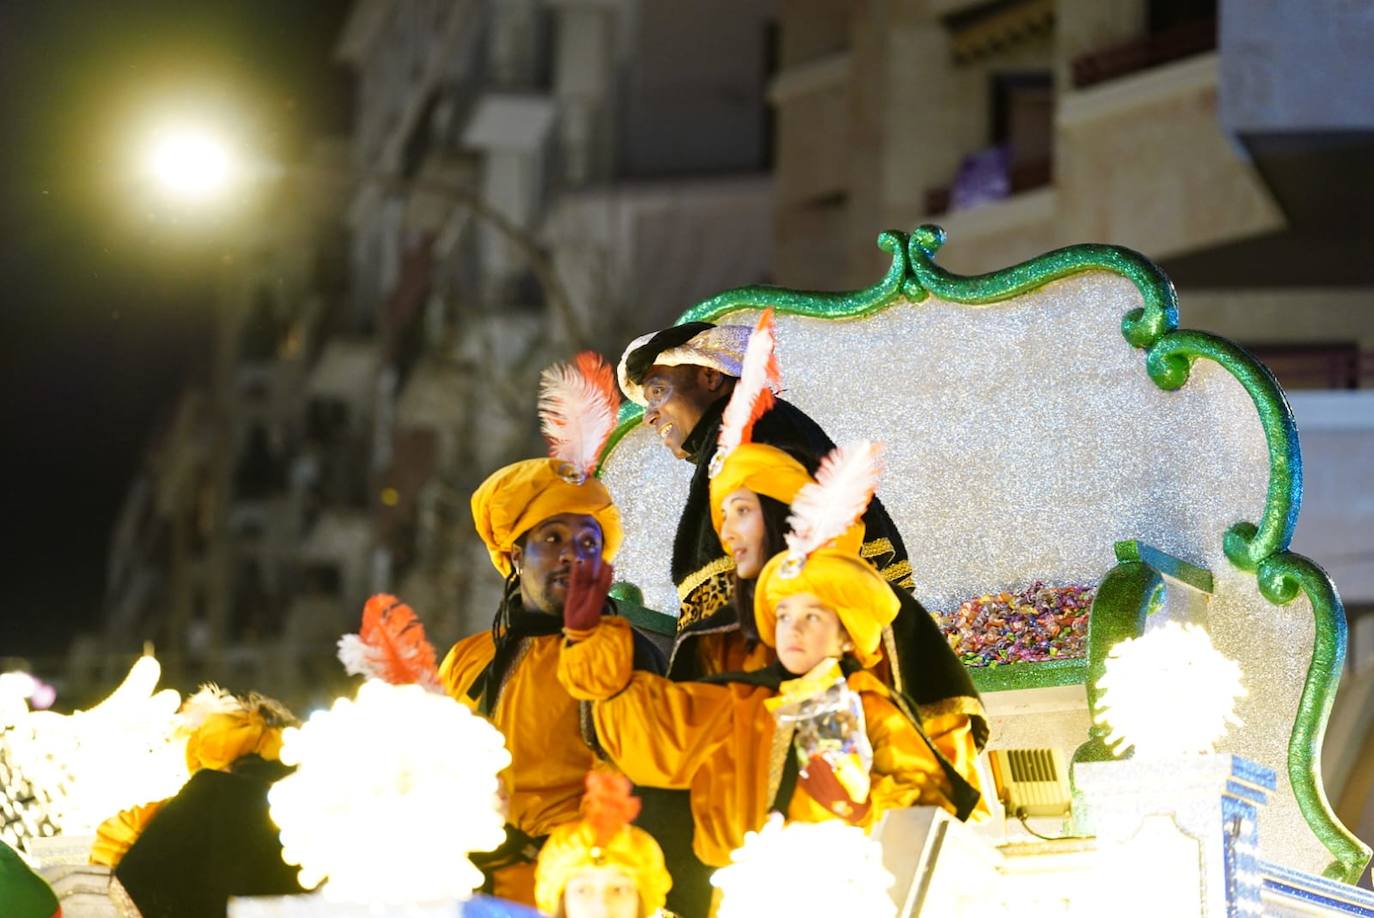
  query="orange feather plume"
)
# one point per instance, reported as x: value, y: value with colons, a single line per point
x: 608, y: 806
x: 390, y: 646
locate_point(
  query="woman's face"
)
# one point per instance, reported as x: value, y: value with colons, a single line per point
x: 601, y: 892
x: 807, y: 632
x: 742, y: 532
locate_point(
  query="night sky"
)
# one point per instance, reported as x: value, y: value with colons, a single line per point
x: 106, y: 305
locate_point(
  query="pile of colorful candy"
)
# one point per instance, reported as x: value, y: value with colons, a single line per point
x: 1039, y: 623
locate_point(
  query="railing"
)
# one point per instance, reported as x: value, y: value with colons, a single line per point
x: 1318, y: 366
x: 1172, y: 44
x: 1021, y: 177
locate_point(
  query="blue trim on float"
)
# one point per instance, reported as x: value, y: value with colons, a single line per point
x: 1254, y: 773
x: 1316, y: 890
x: 1237, y: 789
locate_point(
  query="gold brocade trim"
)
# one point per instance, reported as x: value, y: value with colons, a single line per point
x: 876, y: 547
x: 695, y: 579
x: 959, y: 704
x: 890, y: 648
x: 777, y: 758
x: 899, y: 573
x: 123, y: 904
x: 678, y: 641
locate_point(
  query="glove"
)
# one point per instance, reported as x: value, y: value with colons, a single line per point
x: 586, y: 597
x: 818, y: 779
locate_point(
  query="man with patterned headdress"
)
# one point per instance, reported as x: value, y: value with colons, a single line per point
x: 538, y: 518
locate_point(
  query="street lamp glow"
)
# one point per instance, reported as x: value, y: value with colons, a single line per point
x: 190, y: 163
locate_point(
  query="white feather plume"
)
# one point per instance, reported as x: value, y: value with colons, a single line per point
x: 357, y: 658
x: 825, y: 509
x: 578, y: 403
x: 208, y: 701
x: 759, y: 378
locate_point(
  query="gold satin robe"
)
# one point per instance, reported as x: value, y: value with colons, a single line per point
x: 719, y: 742
x: 544, y: 783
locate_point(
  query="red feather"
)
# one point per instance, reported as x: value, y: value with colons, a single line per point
x: 396, y: 643
x: 608, y: 806
x: 599, y: 373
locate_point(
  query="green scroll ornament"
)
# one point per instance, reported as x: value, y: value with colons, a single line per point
x: 1170, y: 354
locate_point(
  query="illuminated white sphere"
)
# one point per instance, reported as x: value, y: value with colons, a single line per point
x: 823, y: 868
x: 391, y: 792
x: 1169, y: 692
x: 190, y: 163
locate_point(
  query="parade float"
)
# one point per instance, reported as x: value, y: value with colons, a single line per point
x: 1070, y: 469
x: 1097, y: 505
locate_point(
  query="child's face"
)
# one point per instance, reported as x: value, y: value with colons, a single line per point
x: 741, y: 530
x: 601, y: 892
x: 807, y: 632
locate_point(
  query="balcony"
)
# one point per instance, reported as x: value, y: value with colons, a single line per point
x: 1318, y: 366
x: 1183, y: 40
x: 1015, y: 179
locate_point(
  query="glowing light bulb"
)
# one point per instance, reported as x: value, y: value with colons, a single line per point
x: 1169, y: 692
x: 190, y: 163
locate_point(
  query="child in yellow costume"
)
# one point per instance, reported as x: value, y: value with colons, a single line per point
x: 538, y: 518
x: 602, y: 866
x: 718, y: 737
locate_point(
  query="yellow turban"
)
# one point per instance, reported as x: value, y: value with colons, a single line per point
x: 515, y: 499
x: 762, y: 469
x: 842, y: 581
x: 228, y: 736
x: 572, y: 847
x: 773, y: 473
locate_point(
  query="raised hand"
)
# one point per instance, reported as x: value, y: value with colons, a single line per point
x: 586, y: 596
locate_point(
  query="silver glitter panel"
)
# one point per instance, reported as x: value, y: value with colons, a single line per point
x: 1024, y: 439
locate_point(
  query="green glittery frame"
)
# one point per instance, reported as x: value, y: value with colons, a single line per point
x: 1169, y: 355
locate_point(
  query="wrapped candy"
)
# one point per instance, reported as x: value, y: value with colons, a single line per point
x: 828, y: 721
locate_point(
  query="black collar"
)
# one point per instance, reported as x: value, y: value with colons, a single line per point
x: 700, y: 444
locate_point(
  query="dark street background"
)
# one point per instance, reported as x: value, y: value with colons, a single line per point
x: 105, y: 303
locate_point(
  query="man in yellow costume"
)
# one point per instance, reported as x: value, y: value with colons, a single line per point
x: 539, y: 518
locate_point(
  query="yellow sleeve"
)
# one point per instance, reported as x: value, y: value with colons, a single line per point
x: 660, y: 732
x: 905, y: 772
x: 952, y: 734
x: 596, y: 664
x: 116, y: 835
x: 656, y: 731
x: 463, y: 664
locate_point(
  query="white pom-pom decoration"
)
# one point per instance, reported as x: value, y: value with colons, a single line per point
x: 1169, y: 692
x: 392, y: 791
x: 823, y: 868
